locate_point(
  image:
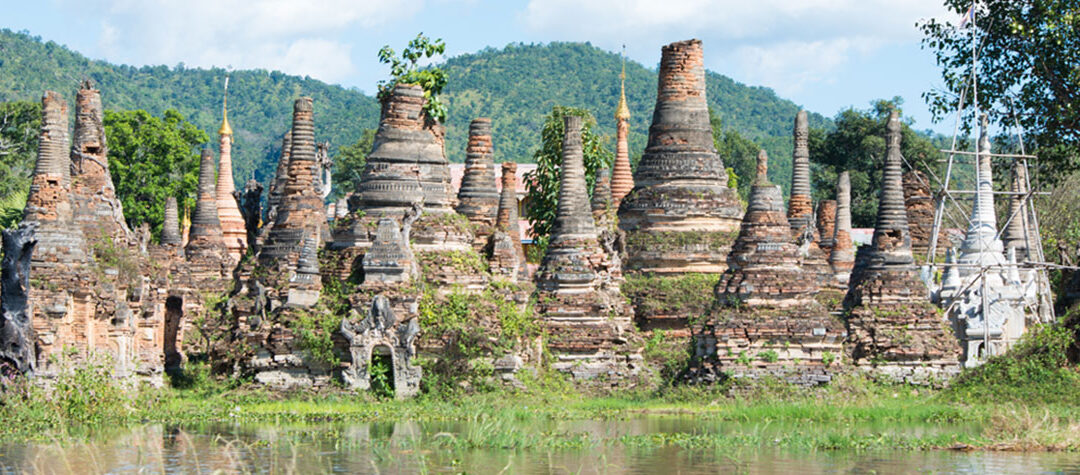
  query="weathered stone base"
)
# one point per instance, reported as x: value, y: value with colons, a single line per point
x: 907, y: 334
x: 675, y: 252
x: 289, y: 370
x: 923, y: 373
x: 799, y: 346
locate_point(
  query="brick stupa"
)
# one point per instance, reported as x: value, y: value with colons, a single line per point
x: 300, y: 212
x: 205, y: 240
x: 767, y: 322
x: 680, y: 193
x: 407, y: 165
x: 232, y: 223
x: 842, y: 256
x: 800, y: 208
x: 622, y: 178
x: 893, y: 328
x: 478, y: 198
x: 506, y: 255
x: 577, y: 286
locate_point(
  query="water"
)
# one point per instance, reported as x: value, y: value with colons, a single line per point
x: 593, y: 446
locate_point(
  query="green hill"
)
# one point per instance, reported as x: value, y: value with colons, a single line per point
x: 515, y: 86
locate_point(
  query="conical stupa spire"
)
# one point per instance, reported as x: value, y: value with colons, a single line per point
x: 891, y: 245
x: 622, y: 178
x: 507, y: 252
x: 232, y: 222
x: 205, y: 234
x: 800, y: 208
x: 573, y: 219
x: 52, y: 156
x: 981, y: 244
x: 478, y: 199
x: 170, y: 229
x: 601, y: 198
x: 1019, y: 234
x: 842, y: 257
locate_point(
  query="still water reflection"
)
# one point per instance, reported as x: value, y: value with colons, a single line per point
x: 450, y: 447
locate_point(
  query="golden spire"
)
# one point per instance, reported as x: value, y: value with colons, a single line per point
x: 225, y: 129
x: 622, y: 112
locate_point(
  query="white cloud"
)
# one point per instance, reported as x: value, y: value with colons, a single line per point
x: 783, y: 44
x: 295, y: 36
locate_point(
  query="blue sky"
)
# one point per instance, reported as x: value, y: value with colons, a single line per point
x: 825, y: 55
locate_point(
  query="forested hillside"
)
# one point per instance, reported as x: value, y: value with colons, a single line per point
x: 515, y: 86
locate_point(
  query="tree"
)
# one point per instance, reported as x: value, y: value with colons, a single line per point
x: 152, y: 158
x: 349, y: 164
x: 1028, y: 52
x: 20, y: 122
x: 739, y: 154
x: 858, y: 146
x: 542, y: 185
x: 406, y: 71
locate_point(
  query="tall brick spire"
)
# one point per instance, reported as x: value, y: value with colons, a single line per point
x: 680, y: 185
x: 205, y: 236
x: 478, y: 199
x: 232, y: 223
x: 891, y: 245
x: 842, y: 257
x: 573, y: 217
x: 800, y: 209
x: 301, y: 208
x: 170, y: 229
x: 622, y: 179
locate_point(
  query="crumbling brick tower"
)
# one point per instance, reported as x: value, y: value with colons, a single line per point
x: 478, y: 198
x: 800, y: 213
x: 577, y: 285
x: 680, y: 188
x: 767, y: 321
x: 842, y: 256
x: 893, y: 328
x: 87, y: 284
x: 505, y: 253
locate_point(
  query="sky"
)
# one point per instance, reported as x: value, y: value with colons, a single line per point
x: 825, y: 55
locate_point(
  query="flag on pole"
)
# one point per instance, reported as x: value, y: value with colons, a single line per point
x: 968, y: 17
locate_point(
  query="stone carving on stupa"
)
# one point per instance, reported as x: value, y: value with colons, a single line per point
x: 382, y: 331
x: 389, y: 259
x: 577, y: 285
x: 990, y: 314
x: 680, y: 193
x: 893, y: 329
x: 478, y: 198
x: 766, y: 303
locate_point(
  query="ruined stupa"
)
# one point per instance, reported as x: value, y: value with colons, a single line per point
x: 97, y: 210
x: 277, y: 186
x: 1020, y: 230
x: 826, y: 225
x: 205, y: 240
x: 170, y: 228
x: 49, y: 202
x: 406, y: 166
x: 842, y: 256
x: 680, y: 215
x: 622, y: 178
x: 388, y: 260
x: 800, y: 208
x: 232, y: 222
x: 919, y: 203
x: 577, y: 286
x: 601, y: 201
x: 893, y: 329
x: 982, y: 259
x: 506, y: 255
x: 478, y: 198
x: 764, y: 264
x: 300, y: 212
x: 767, y: 321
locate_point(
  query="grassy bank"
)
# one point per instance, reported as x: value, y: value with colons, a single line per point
x: 1028, y: 399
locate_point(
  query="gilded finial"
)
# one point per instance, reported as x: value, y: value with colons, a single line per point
x: 622, y: 112
x: 225, y: 129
